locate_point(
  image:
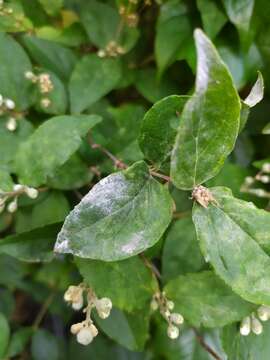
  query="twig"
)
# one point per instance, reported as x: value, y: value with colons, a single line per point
x: 205, y: 346
x: 180, y: 215
x: 151, y: 266
x: 43, y: 311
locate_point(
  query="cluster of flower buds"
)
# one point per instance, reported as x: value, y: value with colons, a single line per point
x: 252, y: 322
x: 5, y: 10
x: 6, y: 107
x: 45, y: 85
x: 18, y: 189
x: 85, y: 331
x: 129, y: 17
x: 165, y: 307
x: 111, y: 50
x: 203, y: 196
x: 262, y: 176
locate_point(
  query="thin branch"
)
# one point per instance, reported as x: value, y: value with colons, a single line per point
x: 151, y: 266
x: 206, y: 347
x: 43, y: 311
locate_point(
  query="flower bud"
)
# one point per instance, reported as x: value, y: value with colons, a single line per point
x: 85, y: 336
x: 154, y: 305
x: 93, y: 330
x: 264, y: 313
x: 77, y: 305
x: 74, y: 295
x: 170, y: 305
x: 245, y: 326
x: 104, y: 307
x: 11, y: 124
x: 256, y: 326
x: 2, y: 207
x: 176, y: 318
x: 249, y: 180
x: 75, y: 328
x: 18, y: 187
x: 12, y: 206
x: 173, y: 331
x: 10, y: 104
x: 266, y: 167
x: 1, y: 100
x: 31, y: 192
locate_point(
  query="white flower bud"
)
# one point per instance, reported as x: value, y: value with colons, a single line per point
x: 170, y: 305
x: 264, y: 179
x: 154, y: 305
x: 11, y: 124
x: 245, y: 326
x: 249, y: 180
x: 173, y: 331
x: 10, y: 104
x: 101, y: 53
x: 74, y: 295
x: 75, y: 328
x: 85, y: 336
x: 260, y: 192
x: 29, y: 75
x: 1, y: 100
x: 266, y: 167
x: 104, y: 307
x: 93, y: 330
x: 176, y: 318
x: 31, y: 192
x: 256, y: 326
x: 264, y: 313
x: 12, y: 206
x: 2, y: 207
x: 77, y: 305
x: 45, y: 102
x: 18, y: 187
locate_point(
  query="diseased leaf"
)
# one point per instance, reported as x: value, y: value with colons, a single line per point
x: 159, y: 128
x: 128, y: 330
x: 128, y: 283
x: 173, y: 33
x: 50, y: 146
x: 252, y: 347
x: 31, y: 246
x: 213, y: 17
x: 209, y: 123
x: 92, y: 78
x: 14, y: 63
x: 121, y: 216
x: 231, y: 236
x: 205, y: 300
x: 181, y: 252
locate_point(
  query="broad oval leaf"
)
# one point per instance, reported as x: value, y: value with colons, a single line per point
x: 230, y: 234
x: 121, y: 216
x: 92, y: 78
x: 209, y: 123
x: 205, y: 300
x: 159, y: 128
x: 50, y: 146
x: 128, y: 283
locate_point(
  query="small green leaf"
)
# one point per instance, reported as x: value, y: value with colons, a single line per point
x: 32, y: 246
x: 209, y: 123
x: 92, y: 78
x: 52, y: 7
x: 252, y: 347
x: 213, y: 17
x: 181, y: 253
x: 14, y: 62
x: 173, y: 33
x: 6, y: 183
x: 4, y: 335
x: 124, y: 214
x: 266, y: 129
x: 128, y: 330
x: 231, y: 235
x: 50, y: 146
x: 51, y: 56
x: 256, y: 93
x: 128, y: 283
x: 205, y: 300
x: 159, y: 128
x: 19, y: 341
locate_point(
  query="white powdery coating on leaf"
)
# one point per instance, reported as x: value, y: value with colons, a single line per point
x: 132, y: 245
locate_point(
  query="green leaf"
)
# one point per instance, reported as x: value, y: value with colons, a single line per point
x: 159, y: 128
x: 92, y: 78
x: 102, y: 22
x: 213, y: 17
x: 209, y: 123
x: 240, y: 13
x: 51, y: 56
x: 50, y: 146
x: 152, y: 88
x: 256, y: 93
x: 231, y: 235
x: 31, y: 246
x: 6, y: 183
x: 181, y: 253
x: 205, y: 300
x: 52, y: 7
x: 52, y: 209
x: 128, y: 283
x: 173, y: 32
x: 44, y: 346
x: 4, y: 335
x: 266, y: 129
x: 128, y: 330
x: 252, y: 347
x: 94, y: 229
x: 19, y: 341
x: 14, y: 62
